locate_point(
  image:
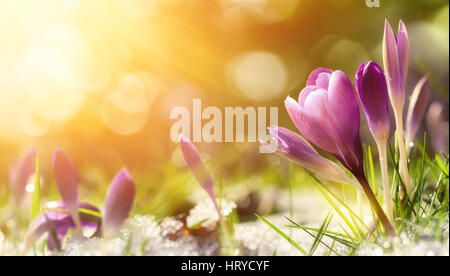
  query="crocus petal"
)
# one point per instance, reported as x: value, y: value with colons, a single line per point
x: 316, y: 131
x: 396, y: 59
x: 403, y: 51
x: 437, y: 127
x: 297, y: 149
x: 61, y: 222
x: 315, y: 75
x: 417, y: 107
x: 390, y: 57
x: 344, y: 110
x: 66, y: 180
x: 372, y: 91
x: 195, y: 164
x: 118, y: 203
x: 56, y: 222
x: 293, y: 143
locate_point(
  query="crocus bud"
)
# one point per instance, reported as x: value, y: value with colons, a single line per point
x: 19, y: 174
x: 295, y: 148
x: 396, y: 60
x: 372, y: 91
x: 417, y: 107
x: 195, y: 164
x: 66, y: 182
x: 437, y: 127
x: 327, y: 115
x: 118, y: 203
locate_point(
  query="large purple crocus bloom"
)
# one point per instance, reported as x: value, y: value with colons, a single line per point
x: 56, y: 221
x: 327, y: 114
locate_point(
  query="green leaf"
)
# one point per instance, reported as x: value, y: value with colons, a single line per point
x: 36, y: 207
x: 291, y: 241
x: 441, y: 165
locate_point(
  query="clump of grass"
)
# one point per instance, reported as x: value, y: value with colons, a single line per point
x: 422, y: 214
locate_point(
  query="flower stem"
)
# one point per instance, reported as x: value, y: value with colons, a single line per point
x: 376, y: 206
x: 76, y: 219
x: 401, y: 145
x: 385, y: 179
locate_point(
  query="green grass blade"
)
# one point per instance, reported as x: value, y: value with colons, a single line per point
x: 441, y: 165
x: 36, y: 207
x: 291, y: 241
x: 338, y: 210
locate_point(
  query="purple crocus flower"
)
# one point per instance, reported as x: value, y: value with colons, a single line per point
x: 373, y: 93
x: 437, y: 127
x: 198, y: 169
x: 19, y: 174
x: 417, y: 107
x: 372, y: 90
x: 56, y: 221
x: 118, y: 203
x: 396, y: 60
x: 66, y: 182
x: 327, y: 114
x: 295, y: 148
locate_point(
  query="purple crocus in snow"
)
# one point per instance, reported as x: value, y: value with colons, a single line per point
x: 327, y: 115
x: 67, y: 184
x: 396, y: 60
x: 19, y: 174
x: 198, y: 169
x: 118, y: 203
x: 417, y: 107
x: 296, y: 149
x: 56, y: 221
x: 372, y: 90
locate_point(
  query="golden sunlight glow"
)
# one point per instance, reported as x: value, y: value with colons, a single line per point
x: 125, y: 109
x: 259, y: 75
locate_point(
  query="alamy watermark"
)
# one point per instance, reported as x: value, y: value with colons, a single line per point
x: 237, y: 124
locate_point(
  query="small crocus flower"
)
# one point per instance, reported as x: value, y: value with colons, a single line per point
x: 66, y: 182
x: 19, y: 175
x: 295, y: 148
x: 396, y: 60
x: 198, y: 169
x: 373, y: 93
x: 437, y: 127
x: 327, y: 115
x: 118, y: 203
x: 417, y: 107
x: 56, y: 222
